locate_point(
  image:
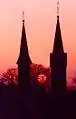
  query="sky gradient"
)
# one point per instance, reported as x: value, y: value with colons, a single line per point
x: 40, y: 24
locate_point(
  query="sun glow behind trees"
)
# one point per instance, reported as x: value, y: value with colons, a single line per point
x: 42, y: 78
x: 11, y: 75
x: 39, y: 74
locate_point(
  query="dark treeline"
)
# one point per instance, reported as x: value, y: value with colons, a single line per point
x: 19, y: 103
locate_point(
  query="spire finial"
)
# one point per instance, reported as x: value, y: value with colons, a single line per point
x: 57, y: 9
x: 23, y: 17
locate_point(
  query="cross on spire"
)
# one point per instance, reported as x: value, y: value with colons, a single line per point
x: 23, y: 17
x: 57, y: 9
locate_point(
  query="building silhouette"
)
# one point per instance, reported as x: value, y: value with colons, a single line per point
x: 58, y: 62
x: 24, y: 60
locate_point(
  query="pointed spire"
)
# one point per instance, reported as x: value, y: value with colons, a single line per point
x: 58, y: 45
x: 24, y: 54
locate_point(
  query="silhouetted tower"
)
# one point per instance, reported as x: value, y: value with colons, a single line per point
x: 24, y: 60
x: 58, y: 61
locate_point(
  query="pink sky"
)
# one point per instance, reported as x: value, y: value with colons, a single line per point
x: 40, y: 23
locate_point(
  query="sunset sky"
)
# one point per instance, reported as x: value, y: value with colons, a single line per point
x: 40, y: 23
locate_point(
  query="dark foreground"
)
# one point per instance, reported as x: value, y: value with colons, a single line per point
x: 17, y: 103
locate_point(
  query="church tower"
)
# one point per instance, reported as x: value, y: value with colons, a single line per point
x: 24, y: 60
x: 58, y: 61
